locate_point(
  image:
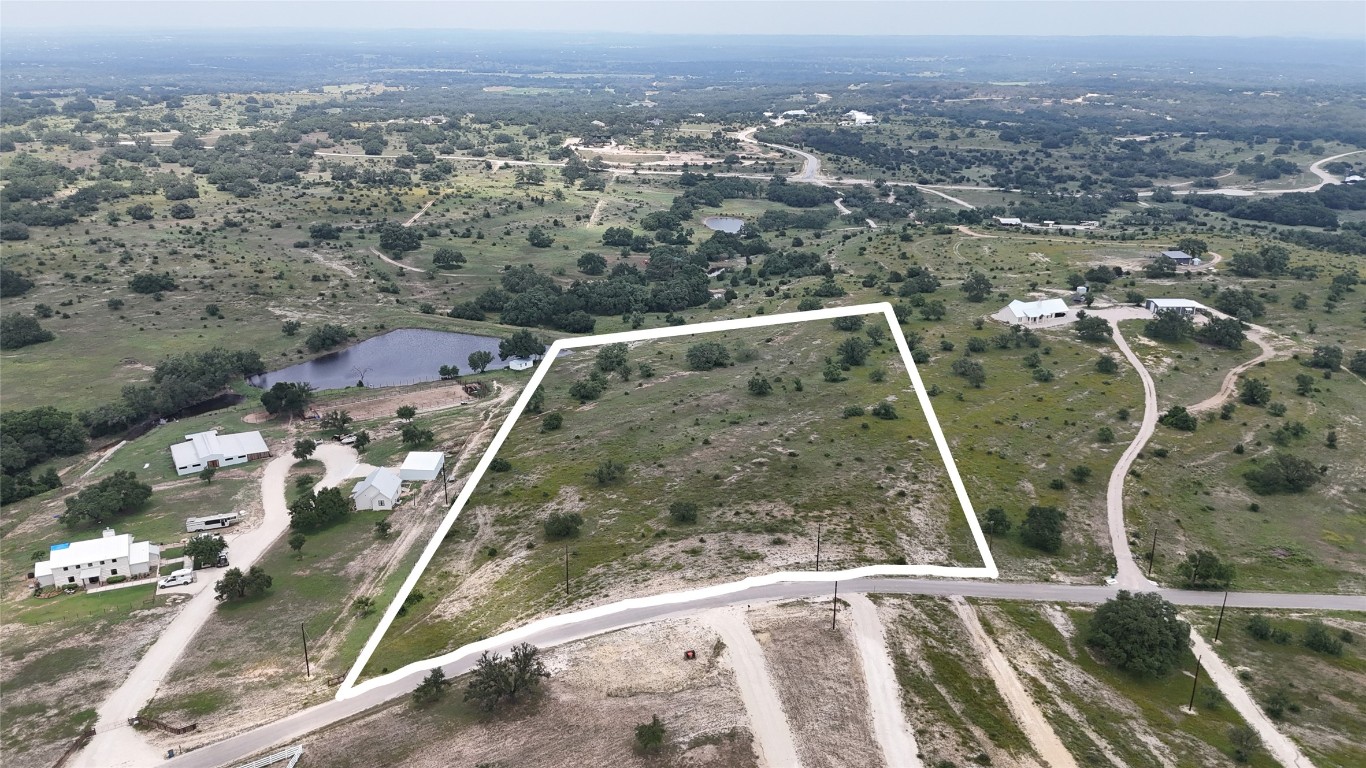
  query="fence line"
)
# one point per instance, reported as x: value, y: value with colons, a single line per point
x: 292, y: 754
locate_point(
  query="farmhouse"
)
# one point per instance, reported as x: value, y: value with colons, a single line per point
x: 1034, y: 311
x: 379, y: 490
x: 1182, y: 258
x: 95, y: 561
x: 210, y: 449
x: 1184, y: 307
x: 422, y: 466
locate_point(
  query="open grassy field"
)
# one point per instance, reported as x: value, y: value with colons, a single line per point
x: 759, y: 475
x: 1319, y: 694
x: 1103, y: 716
x: 1196, y: 497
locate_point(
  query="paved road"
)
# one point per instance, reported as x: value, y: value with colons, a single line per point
x: 116, y: 743
x: 300, y: 724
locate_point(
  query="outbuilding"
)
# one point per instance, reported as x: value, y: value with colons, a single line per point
x: 210, y: 449
x: 1034, y: 311
x: 422, y: 466
x: 1184, y: 307
x: 1008, y: 221
x: 95, y: 561
x: 521, y: 363
x: 1183, y: 259
x: 379, y: 490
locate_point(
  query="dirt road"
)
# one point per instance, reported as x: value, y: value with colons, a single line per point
x: 116, y: 743
x: 400, y: 265
x: 418, y: 215
x: 1230, y: 383
x: 893, y: 733
x: 1280, y: 746
x: 1026, y: 711
x: 772, y: 736
x: 1127, y: 572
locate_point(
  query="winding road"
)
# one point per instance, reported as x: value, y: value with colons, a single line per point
x: 116, y: 743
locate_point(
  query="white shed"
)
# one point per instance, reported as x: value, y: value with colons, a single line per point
x: 422, y: 466
x: 379, y: 490
x: 521, y: 363
x: 1181, y: 306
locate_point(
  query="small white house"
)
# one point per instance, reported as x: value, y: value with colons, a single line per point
x: 521, y: 363
x: 1184, y: 307
x: 94, y: 561
x: 379, y: 490
x: 210, y: 449
x: 1008, y: 221
x: 422, y: 466
x: 1034, y: 311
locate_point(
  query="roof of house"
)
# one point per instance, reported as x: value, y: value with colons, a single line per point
x: 110, y: 546
x: 1037, y: 308
x: 1177, y: 255
x: 1176, y: 304
x: 383, y: 480
x: 424, y: 461
x: 1007, y: 220
x: 208, y: 445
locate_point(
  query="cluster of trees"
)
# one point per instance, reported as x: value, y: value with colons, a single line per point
x: 1168, y: 325
x: 31, y: 437
x: 327, y: 336
x: 496, y: 678
x: 236, y: 585
x: 1317, y: 636
x: 18, y: 331
x: 1313, y: 209
x: 178, y: 382
x: 1042, y: 528
x: 289, y: 397
x: 119, y: 494
x: 315, y: 511
x: 1282, y: 473
x: 205, y: 548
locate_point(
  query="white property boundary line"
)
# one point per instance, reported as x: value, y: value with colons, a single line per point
x: 350, y: 688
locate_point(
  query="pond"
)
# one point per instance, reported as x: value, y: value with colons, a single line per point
x: 723, y: 223
x: 407, y: 356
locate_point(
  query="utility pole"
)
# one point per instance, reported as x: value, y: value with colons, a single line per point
x: 308, y: 670
x: 818, y: 546
x: 1152, y: 554
x: 1194, y: 681
x: 445, y: 481
x: 1220, y: 624
x: 566, y: 570
x: 835, y: 605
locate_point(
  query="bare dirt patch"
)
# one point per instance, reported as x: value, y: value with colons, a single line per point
x: 598, y: 692
x: 820, y: 682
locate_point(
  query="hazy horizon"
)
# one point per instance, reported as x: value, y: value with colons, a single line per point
x: 1313, y: 19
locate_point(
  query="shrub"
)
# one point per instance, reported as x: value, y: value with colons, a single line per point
x: 500, y: 465
x: 609, y: 472
x: 1139, y: 634
x: 1042, y: 528
x: 759, y: 385
x: 1318, y: 638
x: 683, y: 512
x: 884, y: 410
x: 708, y: 355
x: 1177, y: 417
x: 563, y: 525
x: 551, y: 422
x: 852, y: 411
x: 1259, y: 627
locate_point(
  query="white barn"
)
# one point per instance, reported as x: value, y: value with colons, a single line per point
x: 1033, y: 311
x: 210, y: 449
x: 1181, y: 306
x: 422, y: 466
x: 379, y: 490
x: 94, y: 561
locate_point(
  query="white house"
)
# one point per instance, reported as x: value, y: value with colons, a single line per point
x: 521, y: 363
x: 1033, y: 311
x: 422, y: 466
x: 379, y: 490
x: 1007, y: 221
x: 210, y: 449
x: 94, y: 561
x: 1182, y: 306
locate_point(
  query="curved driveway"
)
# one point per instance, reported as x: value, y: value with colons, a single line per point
x: 115, y: 742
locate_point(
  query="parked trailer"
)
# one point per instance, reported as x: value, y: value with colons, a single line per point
x: 212, y: 522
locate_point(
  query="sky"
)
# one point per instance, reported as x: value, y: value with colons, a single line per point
x: 1324, y: 19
